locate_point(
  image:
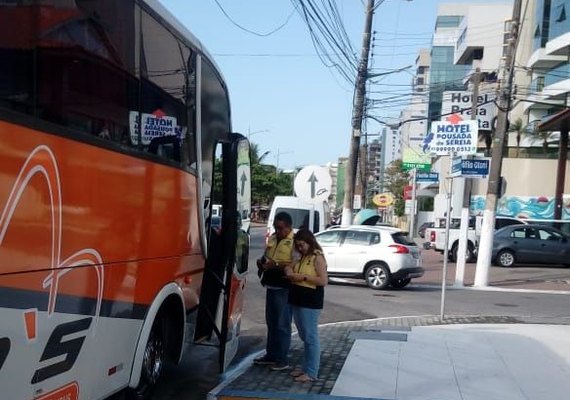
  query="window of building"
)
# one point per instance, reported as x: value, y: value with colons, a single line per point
x: 448, y: 21
x: 561, y: 12
x: 540, y: 83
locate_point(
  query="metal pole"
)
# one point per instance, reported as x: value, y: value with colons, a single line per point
x: 561, y: 173
x: 464, y: 227
x: 357, y: 113
x: 488, y: 227
x: 413, y: 211
x: 446, y: 250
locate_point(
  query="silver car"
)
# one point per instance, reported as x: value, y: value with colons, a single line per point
x: 382, y: 256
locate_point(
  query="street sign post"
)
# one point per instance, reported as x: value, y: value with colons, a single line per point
x: 313, y: 185
x: 469, y: 168
x: 427, y: 177
x: 453, y: 137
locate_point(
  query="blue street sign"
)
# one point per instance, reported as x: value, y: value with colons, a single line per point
x: 471, y: 168
x: 427, y: 177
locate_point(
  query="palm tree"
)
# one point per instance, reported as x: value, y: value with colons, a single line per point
x: 256, y: 158
x: 530, y: 130
x: 520, y: 130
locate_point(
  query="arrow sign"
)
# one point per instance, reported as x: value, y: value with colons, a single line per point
x: 313, y: 184
x: 243, y: 180
x: 313, y: 180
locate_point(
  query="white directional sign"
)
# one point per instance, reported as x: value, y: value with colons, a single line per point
x: 453, y: 136
x: 313, y: 184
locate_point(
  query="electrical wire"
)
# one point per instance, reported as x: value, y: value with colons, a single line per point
x: 249, y: 30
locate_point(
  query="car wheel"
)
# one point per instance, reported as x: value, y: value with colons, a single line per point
x: 377, y: 276
x: 469, y: 257
x: 152, y: 363
x: 506, y: 258
x: 400, y: 283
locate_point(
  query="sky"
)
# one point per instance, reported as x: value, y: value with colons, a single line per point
x: 289, y: 102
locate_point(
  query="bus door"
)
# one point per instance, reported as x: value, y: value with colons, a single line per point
x: 221, y: 299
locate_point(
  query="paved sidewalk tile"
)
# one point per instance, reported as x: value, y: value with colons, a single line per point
x: 424, y: 356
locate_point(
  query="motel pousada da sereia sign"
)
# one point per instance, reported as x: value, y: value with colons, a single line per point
x: 452, y: 137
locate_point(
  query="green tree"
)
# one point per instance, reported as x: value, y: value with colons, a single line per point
x: 395, y: 180
x: 266, y: 181
x: 533, y: 133
x: 519, y: 128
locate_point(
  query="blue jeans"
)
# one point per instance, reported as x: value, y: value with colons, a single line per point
x: 307, y: 320
x: 278, y: 320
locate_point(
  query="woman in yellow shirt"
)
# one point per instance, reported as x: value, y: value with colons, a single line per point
x: 306, y: 295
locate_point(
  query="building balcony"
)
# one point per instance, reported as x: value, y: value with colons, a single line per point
x: 559, y: 46
x: 551, y: 96
x: 542, y: 59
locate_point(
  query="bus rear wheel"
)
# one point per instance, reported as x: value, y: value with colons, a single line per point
x: 153, y: 362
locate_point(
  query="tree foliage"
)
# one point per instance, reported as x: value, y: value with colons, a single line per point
x: 266, y: 181
x: 395, y: 180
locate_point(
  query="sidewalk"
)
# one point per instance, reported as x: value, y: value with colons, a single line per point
x: 418, y: 358
x: 527, y: 277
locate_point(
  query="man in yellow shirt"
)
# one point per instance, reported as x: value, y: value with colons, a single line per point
x: 278, y: 255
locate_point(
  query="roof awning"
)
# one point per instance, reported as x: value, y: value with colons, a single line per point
x: 556, y: 122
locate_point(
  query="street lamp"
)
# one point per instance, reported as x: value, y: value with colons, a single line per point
x: 250, y: 133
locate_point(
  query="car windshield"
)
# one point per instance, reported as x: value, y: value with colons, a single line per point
x: 402, y: 238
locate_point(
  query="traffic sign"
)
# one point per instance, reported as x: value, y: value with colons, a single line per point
x: 313, y: 184
x: 427, y: 177
x: 470, y: 168
x: 453, y: 136
x: 408, y: 166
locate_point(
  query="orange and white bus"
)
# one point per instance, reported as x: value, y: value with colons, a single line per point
x: 112, y: 119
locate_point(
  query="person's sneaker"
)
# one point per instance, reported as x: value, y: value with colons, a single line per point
x: 263, y: 361
x: 280, y: 366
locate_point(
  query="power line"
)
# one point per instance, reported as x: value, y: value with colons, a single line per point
x: 249, y: 30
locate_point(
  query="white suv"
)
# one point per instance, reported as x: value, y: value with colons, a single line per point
x: 382, y: 256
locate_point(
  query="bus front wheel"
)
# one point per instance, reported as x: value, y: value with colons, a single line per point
x: 153, y: 361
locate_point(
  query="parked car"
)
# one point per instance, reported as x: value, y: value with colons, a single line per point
x: 530, y: 244
x: 382, y: 256
x: 436, y: 236
x: 423, y: 227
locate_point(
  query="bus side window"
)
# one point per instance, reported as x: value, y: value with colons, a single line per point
x: 165, y: 77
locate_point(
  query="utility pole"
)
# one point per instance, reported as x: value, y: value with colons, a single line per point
x: 464, y: 227
x: 493, y: 185
x: 357, y: 116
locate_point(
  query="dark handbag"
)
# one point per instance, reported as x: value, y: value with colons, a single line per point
x: 274, y: 277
